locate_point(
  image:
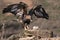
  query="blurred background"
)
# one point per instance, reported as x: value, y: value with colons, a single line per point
x: 52, y: 7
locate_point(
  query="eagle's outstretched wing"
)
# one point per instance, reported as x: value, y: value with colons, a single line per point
x: 11, y: 9
x: 39, y: 12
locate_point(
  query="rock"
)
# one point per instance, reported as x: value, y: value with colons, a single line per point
x: 12, y: 27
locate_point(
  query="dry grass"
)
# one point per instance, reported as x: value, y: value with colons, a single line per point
x: 52, y: 7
